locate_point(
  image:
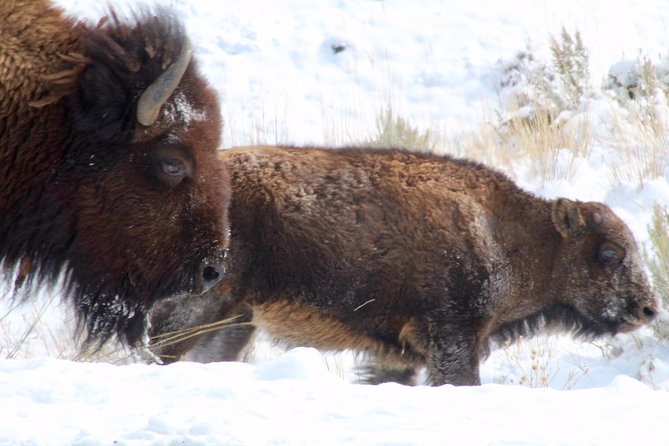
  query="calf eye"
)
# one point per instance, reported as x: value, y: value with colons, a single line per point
x: 610, y: 253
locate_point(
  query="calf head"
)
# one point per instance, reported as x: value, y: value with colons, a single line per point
x: 598, y: 270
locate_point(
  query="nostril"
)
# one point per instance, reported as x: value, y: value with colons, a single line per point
x: 649, y: 313
x: 211, y: 275
x: 208, y: 276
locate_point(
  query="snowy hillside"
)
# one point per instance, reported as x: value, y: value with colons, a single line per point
x: 300, y: 72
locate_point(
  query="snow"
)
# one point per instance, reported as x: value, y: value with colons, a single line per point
x: 320, y: 72
x: 296, y: 400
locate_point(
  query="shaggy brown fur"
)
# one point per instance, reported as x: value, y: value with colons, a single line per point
x: 417, y: 260
x: 129, y: 213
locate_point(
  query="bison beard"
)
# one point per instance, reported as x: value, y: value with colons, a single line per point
x: 416, y: 260
x: 119, y: 193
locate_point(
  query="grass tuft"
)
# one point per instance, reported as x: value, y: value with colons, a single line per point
x: 395, y: 131
x: 659, y: 263
x: 535, y: 363
x: 571, y: 63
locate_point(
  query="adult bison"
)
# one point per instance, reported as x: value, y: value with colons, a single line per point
x: 417, y: 260
x: 109, y: 175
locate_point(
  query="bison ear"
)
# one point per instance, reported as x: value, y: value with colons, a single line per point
x: 568, y: 219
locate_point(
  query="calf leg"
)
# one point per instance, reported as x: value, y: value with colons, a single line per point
x: 454, y: 360
x: 451, y: 352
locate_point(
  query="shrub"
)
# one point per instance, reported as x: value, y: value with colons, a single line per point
x: 394, y: 131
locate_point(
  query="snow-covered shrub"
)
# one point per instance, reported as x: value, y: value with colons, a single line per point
x: 531, y: 87
x: 541, y: 126
x: 570, y: 62
x: 637, y: 80
x: 639, y: 130
x: 550, y: 118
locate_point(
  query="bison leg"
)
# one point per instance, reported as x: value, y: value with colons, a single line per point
x: 451, y: 353
x: 454, y: 360
x: 375, y: 373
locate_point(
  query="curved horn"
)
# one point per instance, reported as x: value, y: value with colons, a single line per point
x: 156, y: 94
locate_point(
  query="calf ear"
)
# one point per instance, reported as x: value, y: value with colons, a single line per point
x: 569, y: 219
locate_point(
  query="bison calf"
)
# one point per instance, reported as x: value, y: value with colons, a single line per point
x: 417, y: 260
x: 108, y: 163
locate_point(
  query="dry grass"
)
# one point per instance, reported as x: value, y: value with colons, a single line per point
x: 44, y: 325
x: 175, y: 337
x: 541, y: 123
x: 658, y: 265
x: 639, y: 133
x: 551, y: 148
x: 393, y: 130
x: 535, y: 363
x: 30, y: 329
x: 658, y: 262
x: 642, y: 143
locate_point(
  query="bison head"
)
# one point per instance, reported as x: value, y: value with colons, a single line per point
x: 599, y: 272
x: 133, y: 206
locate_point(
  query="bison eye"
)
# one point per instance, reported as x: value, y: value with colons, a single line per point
x: 610, y: 253
x: 171, y: 165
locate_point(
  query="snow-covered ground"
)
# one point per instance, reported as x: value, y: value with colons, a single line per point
x: 281, y: 81
x: 295, y: 400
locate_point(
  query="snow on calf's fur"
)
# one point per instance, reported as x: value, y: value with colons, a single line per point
x: 108, y: 163
x: 417, y: 260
